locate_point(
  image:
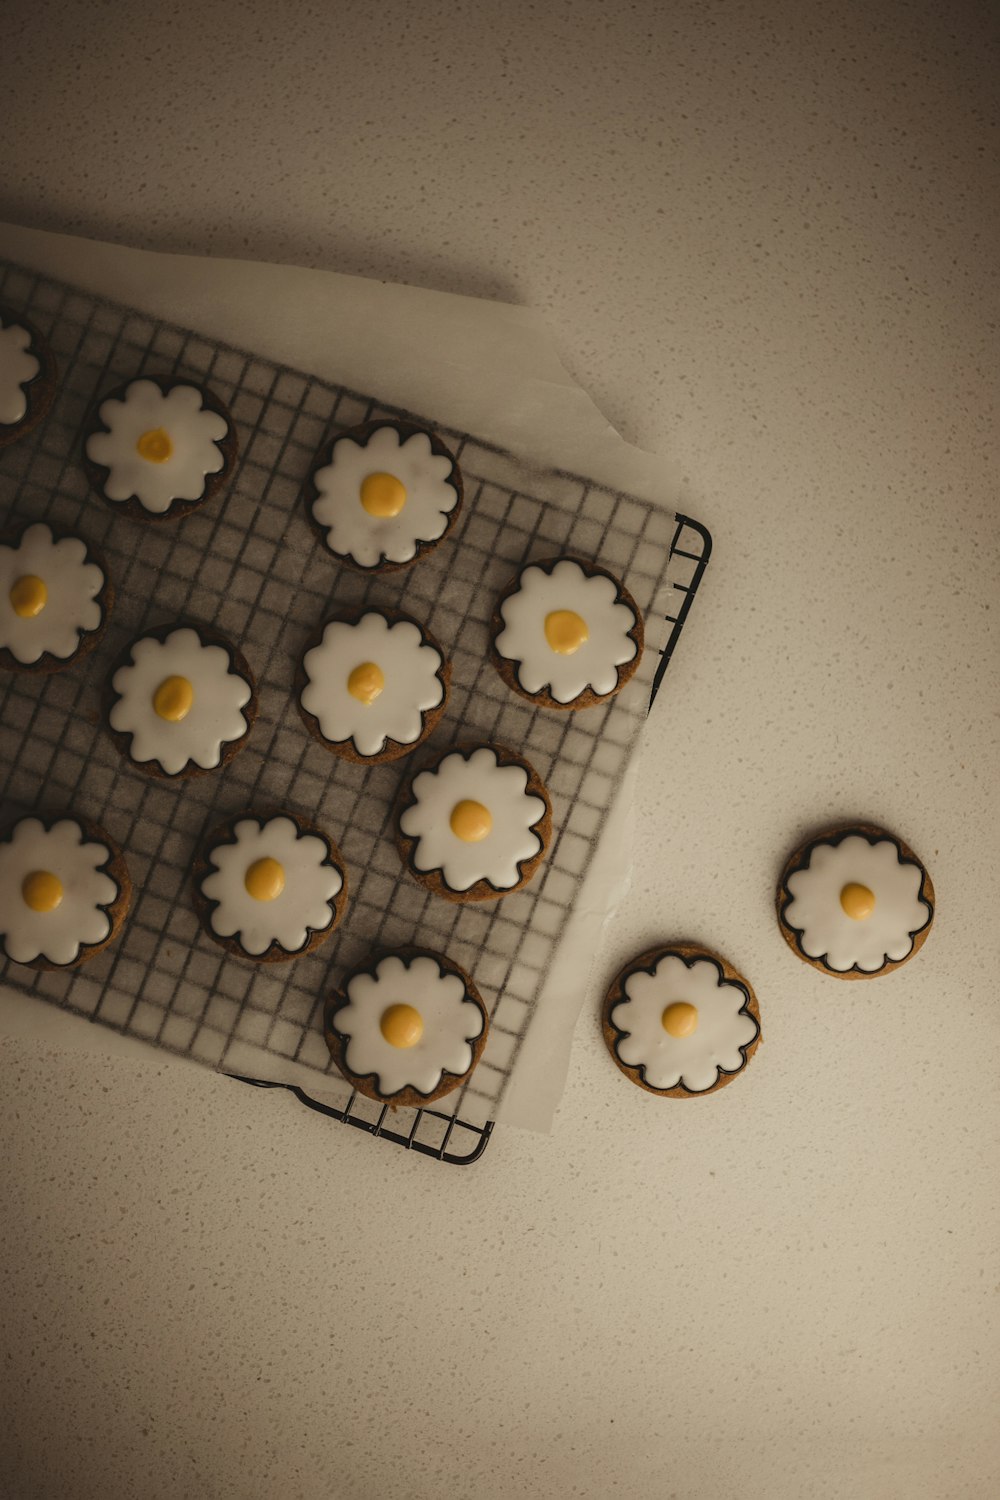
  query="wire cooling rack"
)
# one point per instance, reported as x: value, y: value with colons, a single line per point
x: 248, y: 565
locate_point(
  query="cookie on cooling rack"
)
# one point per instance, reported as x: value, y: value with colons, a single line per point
x: 64, y: 891
x: 27, y: 376
x: 406, y: 1028
x: 372, y: 684
x: 55, y: 598
x: 679, y: 1021
x: 270, y: 888
x: 156, y: 450
x: 180, y: 701
x: 474, y: 823
x: 855, y: 902
x: 383, y: 495
x: 566, y: 634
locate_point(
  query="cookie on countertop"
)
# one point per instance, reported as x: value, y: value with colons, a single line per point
x: 407, y: 1028
x: 180, y: 701
x: 372, y: 685
x: 269, y: 888
x: 566, y: 633
x: 679, y: 1021
x: 383, y: 495
x: 64, y: 891
x: 855, y: 902
x: 55, y: 599
x: 156, y: 449
x: 474, y: 823
x: 27, y: 376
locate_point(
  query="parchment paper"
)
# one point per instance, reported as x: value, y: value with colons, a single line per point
x: 488, y: 368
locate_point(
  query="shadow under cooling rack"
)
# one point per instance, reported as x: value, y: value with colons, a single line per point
x: 445, y: 1137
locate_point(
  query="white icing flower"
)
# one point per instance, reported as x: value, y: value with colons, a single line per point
x: 566, y: 630
x: 671, y: 1045
x: 446, y: 1025
x: 871, y: 879
x: 48, y: 595
x: 200, y: 709
x: 160, y: 447
x: 17, y: 367
x: 273, y: 884
x: 53, y: 893
x: 489, y: 848
x: 372, y: 681
x: 410, y: 504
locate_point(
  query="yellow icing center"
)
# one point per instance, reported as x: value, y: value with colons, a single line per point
x: 402, y: 1026
x: 680, y: 1019
x: 566, y: 631
x: 173, y: 699
x: 265, y: 879
x: 857, y: 900
x: 155, y: 446
x: 28, y: 596
x: 42, y: 890
x: 470, y: 821
x: 383, y: 494
x: 366, y: 682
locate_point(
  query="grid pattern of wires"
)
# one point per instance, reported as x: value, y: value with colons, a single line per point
x: 248, y: 564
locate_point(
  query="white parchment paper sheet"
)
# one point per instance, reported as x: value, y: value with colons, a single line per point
x: 487, y: 368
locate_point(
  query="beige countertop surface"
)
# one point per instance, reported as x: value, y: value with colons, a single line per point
x: 763, y: 238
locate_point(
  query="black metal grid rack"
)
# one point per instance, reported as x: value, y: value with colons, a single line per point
x: 248, y: 565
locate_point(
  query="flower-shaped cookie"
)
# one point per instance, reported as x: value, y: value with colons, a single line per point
x: 408, y: 1028
x: 855, y: 902
x: 55, y: 597
x: 680, y: 1021
x: 64, y: 891
x: 382, y: 495
x: 565, y: 633
x: 372, y: 685
x: 157, y: 449
x: 27, y: 376
x: 474, y: 824
x: 269, y: 889
x: 181, y: 701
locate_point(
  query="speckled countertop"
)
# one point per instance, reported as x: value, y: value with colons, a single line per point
x: 765, y: 239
